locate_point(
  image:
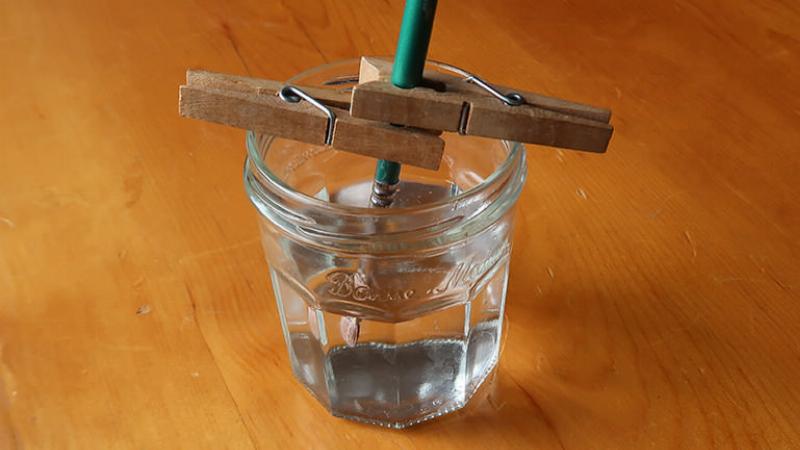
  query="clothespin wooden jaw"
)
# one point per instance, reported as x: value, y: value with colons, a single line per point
x: 360, y: 122
x: 255, y: 104
x: 450, y: 103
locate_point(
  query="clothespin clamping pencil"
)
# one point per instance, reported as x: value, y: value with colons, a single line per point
x: 313, y: 115
x: 468, y: 105
x: 365, y: 122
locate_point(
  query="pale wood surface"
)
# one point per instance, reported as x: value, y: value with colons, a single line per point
x: 252, y: 104
x: 375, y: 68
x: 485, y: 115
x: 261, y: 87
x: 455, y: 104
x: 654, y: 289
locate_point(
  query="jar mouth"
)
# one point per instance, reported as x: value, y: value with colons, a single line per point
x: 254, y: 159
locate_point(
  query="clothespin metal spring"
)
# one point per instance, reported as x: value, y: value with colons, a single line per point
x: 510, y: 99
x: 293, y: 94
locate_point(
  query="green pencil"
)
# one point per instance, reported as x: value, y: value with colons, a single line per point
x: 409, y: 62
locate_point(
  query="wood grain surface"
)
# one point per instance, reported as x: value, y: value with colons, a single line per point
x: 252, y: 104
x: 466, y: 108
x: 654, y: 289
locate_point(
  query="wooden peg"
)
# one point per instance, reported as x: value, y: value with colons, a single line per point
x: 467, y: 108
x: 380, y: 69
x: 259, y: 86
x: 253, y: 104
x: 261, y: 113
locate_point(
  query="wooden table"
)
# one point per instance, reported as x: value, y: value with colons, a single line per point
x: 654, y: 290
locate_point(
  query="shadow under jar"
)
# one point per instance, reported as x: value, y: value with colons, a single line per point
x: 391, y: 316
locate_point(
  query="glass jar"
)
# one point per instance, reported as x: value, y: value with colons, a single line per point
x: 391, y: 316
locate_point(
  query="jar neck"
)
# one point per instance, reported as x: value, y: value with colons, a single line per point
x: 349, y: 228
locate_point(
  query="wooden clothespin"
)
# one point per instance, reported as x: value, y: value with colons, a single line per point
x: 313, y: 115
x: 470, y: 106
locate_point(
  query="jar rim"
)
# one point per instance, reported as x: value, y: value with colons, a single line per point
x: 254, y: 158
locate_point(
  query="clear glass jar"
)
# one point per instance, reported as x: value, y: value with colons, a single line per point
x: 391, y: 316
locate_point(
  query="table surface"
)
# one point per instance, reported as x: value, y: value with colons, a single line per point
x: 654, y: 289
